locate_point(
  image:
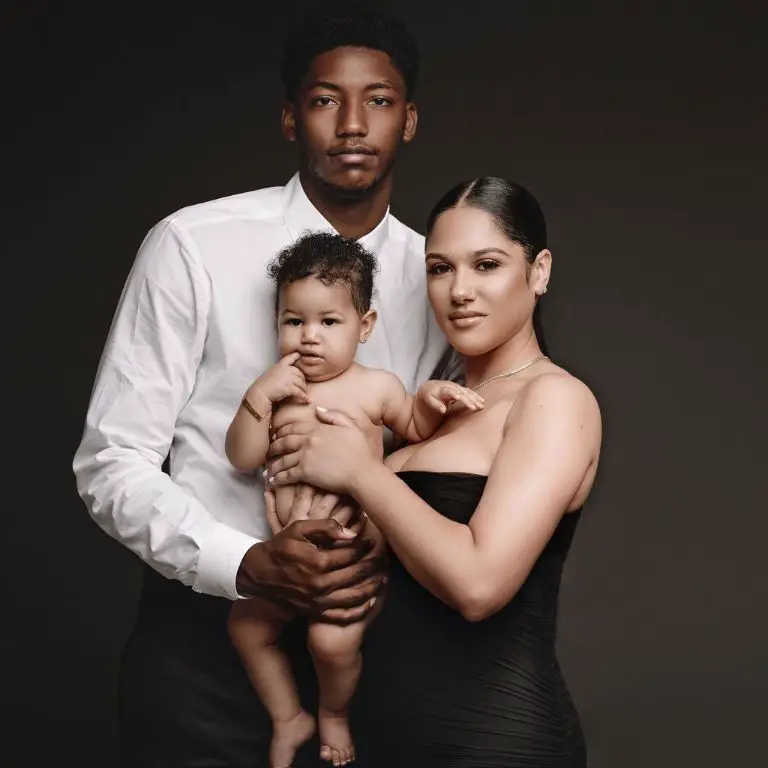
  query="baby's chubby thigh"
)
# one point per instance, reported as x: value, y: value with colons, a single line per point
x: 255, y: 622
x: 333, y: 643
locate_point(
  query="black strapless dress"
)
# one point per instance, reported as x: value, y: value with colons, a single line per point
x: 438, y: 691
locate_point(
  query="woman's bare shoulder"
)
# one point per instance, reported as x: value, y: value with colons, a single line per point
x: 558, y: 391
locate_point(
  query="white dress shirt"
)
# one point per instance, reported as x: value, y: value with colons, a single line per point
x: 194, y: 327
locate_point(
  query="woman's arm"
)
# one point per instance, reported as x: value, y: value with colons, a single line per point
x: 551, y: 440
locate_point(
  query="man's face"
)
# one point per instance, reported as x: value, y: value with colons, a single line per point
x: 349, y: 117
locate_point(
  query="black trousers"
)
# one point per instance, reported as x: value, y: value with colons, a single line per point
x: 184, y: 698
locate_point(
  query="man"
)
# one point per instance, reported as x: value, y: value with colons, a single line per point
x: 193, y: 329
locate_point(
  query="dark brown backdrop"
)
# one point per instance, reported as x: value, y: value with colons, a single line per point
x: 639, y: 125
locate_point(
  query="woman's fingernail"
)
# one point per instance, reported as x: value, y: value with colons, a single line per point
x: 372, y: 602
x: 320, y: 408
x: 265, y: 473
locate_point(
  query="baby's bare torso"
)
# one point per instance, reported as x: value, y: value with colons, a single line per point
x: 358, y: 392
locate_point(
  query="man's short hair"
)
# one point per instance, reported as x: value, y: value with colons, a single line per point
x: 347, y: 24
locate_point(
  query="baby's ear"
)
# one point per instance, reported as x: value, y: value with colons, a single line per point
x: 367, y: 321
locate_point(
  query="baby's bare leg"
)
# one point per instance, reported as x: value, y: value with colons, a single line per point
x: 338, y: 661
x: 254, y: 627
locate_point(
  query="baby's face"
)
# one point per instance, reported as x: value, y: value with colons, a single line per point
x: 321, y: 323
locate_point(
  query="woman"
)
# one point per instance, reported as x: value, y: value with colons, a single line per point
x: 460, y: 666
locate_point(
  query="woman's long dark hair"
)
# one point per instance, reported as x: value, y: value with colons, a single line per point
x: 516, y: 213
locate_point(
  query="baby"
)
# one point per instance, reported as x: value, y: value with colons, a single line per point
x: 324, y: 290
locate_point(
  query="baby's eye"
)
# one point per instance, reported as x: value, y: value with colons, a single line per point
x: 330, y: 321
x: 293, y: 321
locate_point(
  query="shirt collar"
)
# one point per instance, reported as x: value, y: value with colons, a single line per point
x: 301, y: 216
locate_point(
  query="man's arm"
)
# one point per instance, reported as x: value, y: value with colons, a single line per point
x: 145, y: 377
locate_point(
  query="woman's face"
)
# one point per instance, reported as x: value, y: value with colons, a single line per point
x: 481, y: 287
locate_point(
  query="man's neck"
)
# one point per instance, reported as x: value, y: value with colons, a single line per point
x: 350, y: 218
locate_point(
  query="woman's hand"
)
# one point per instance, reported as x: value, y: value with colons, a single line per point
x: 329, y: 456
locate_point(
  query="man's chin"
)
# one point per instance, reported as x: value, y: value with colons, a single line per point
x: 352, y: 189
x: 351, y: 186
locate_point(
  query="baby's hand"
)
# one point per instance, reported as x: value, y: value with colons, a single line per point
x: 283, y: 380
x: 440, y: 395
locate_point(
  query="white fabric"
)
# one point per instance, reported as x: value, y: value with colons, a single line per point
x: 194, y: 327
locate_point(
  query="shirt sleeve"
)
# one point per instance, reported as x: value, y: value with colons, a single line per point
x: 145, y: 377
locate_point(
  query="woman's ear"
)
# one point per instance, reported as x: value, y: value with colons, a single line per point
x: 541, y: 270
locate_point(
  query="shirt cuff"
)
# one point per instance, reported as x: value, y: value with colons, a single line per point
x: 220, y: 561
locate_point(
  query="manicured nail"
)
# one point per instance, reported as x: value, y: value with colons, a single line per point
x: 320, y: 408
x: 372, y: 602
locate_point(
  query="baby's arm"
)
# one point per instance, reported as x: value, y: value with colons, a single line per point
x: 417, y: 418
x: 248, y: 435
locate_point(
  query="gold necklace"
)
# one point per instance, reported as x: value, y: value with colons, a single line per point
x: 507, y: 374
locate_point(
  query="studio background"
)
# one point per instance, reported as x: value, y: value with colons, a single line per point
x: 640, y: 126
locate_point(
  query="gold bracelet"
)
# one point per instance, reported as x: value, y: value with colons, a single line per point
x: 255, y: 413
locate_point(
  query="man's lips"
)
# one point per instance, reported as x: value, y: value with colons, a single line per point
x: 354, y: 151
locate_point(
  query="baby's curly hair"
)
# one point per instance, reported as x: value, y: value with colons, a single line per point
x: 331, y: 258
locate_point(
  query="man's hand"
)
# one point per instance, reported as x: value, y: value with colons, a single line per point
x: 317, y: 568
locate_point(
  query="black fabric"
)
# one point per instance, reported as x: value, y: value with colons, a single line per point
x: 185, y: 701
x: 440, y: 691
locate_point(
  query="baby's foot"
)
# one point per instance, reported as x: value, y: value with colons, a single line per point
x: 288, y: 736
x: 336, y: 740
